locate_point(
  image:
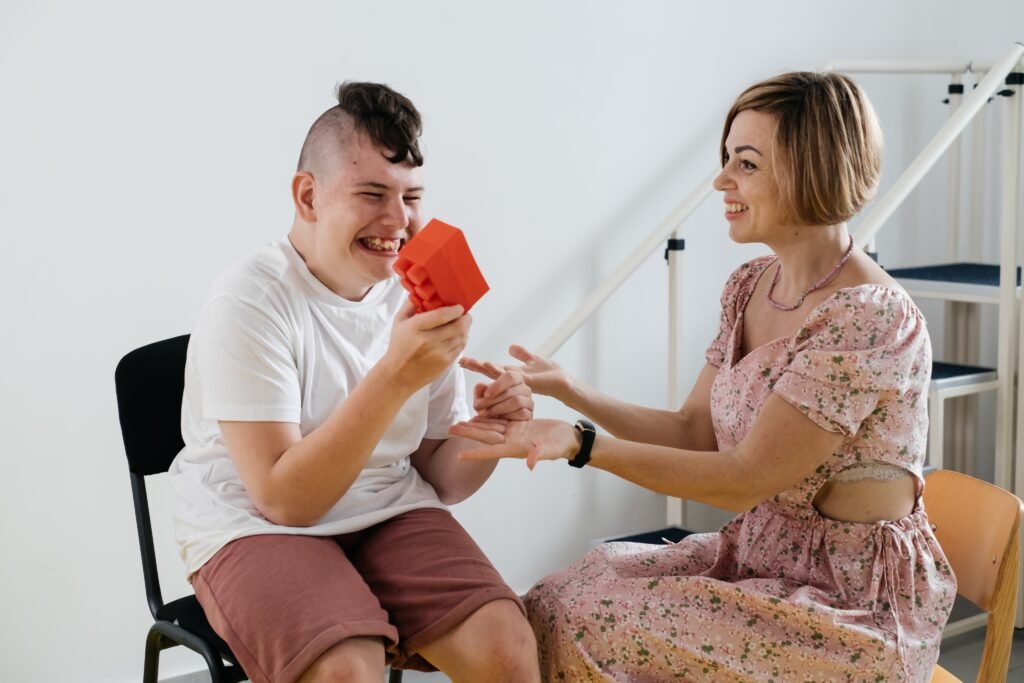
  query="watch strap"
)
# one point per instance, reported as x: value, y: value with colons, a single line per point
x: 587, y: 435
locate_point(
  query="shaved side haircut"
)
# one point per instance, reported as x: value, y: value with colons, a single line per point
x: 387, y: 118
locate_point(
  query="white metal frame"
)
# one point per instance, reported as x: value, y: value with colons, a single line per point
x: 937, y: 415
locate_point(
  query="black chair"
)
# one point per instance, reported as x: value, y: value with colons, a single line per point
x: 149, y: 382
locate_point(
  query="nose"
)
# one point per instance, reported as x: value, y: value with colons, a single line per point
x: 723, y: 181
x: 396, y: 213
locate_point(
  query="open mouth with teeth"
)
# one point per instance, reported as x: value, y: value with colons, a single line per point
x: 382, y: 245
x: 735, y: 208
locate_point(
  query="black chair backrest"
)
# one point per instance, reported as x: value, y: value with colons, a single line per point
x: 150, y: 381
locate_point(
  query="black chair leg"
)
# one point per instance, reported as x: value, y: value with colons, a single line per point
x: 213, y: 662
x: 152, y: 664
x: 395, y: 676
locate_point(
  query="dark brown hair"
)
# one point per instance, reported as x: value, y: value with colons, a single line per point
x: 828, y: 145
x: 388, y: 118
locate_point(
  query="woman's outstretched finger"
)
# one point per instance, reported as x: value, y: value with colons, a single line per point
x: 483, y: 419
x: 511, y: 450
x: 521, y: 354
x: 482, y: 433
x: 489, y: 370
x: 498, y: 426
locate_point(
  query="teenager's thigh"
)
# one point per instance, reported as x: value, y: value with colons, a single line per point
x: 281, y: 601
x: 429, y: 576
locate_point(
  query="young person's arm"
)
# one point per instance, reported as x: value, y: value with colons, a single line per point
x: 437, y: 461
x: 294, y: 480
x: 453, y: 479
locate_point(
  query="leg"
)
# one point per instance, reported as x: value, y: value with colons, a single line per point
x: 494, y: 644
x: 355, y: 660
x: 285, y: 603
x: 450, y: 605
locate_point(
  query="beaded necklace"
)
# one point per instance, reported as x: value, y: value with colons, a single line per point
x: 818, y: 285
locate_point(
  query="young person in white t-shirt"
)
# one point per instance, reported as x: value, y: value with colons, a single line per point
x: 317, y: 463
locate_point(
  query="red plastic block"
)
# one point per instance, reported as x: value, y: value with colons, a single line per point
x: 437, y: 269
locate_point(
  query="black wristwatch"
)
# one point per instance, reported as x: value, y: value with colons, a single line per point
x: 587, y: 434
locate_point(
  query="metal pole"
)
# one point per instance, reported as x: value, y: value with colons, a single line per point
x: 955, y: 311
x: 971, y: 351
x: 971, y: 105
x: 979, y: 140
x: 1007, y: 351
x: 953, y: 178
x: 1011, y: 221
x: 626, y: 268
x: 675, y: 508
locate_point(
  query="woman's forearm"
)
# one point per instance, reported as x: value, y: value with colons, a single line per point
x: 781, y: 449
x: 688, y: 428
x: 627, y: 420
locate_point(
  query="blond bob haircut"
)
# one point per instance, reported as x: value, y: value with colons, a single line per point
x: 828, y: 144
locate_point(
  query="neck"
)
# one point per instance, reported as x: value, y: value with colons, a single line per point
x: 302, y: 237
x: 811, y: 254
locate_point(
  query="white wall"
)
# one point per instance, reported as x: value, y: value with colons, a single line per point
x: 145, y: 145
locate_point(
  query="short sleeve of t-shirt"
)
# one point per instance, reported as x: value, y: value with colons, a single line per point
x: 447, y: 403
x: 245, y: 361
x: 861, y: 348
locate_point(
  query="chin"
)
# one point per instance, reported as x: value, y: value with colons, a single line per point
x: 381, y: 272
x: 739, y: 236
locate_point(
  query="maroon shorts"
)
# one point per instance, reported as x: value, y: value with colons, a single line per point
x: 280, y: 601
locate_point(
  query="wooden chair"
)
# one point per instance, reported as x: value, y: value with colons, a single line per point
x: 978, y: 525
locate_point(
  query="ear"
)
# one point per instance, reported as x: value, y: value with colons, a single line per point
x: 303, y: 194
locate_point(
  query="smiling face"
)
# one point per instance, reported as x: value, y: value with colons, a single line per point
x: 753, y: 202
x: 354, y: 216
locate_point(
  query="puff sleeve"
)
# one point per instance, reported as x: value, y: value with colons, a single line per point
x: 734, y: 296
x: 858, y: 350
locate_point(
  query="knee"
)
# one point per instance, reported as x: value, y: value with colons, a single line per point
x: 351, y: 661
x: 506, y: 642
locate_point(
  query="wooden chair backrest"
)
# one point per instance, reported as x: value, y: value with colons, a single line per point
x: 977, y: 525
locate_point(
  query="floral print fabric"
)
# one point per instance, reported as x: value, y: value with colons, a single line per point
x: 780, y: 593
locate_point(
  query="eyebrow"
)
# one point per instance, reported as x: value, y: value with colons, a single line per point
x: 742, y: 148
x: 383, y: 186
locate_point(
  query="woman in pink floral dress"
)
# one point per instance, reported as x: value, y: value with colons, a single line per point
x: 809, y: 419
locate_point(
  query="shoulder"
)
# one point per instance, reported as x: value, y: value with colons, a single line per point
x: 252, y: 275
x: 864, y: 316
x: 741, y: 281
x: 260, y: 291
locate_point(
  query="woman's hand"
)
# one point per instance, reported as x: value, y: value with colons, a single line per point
x: 534, y: 440
x: 543, y: 376
x: 507, y: 397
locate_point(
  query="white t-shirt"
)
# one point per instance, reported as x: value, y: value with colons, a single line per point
x: 274, y: 344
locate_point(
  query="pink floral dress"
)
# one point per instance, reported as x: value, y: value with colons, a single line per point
x: 780, y: 593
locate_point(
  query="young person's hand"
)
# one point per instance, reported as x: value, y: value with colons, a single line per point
x: 534, y: 440
x: 542, y: 375
x: 507, y: 397
x: 423, y: 345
